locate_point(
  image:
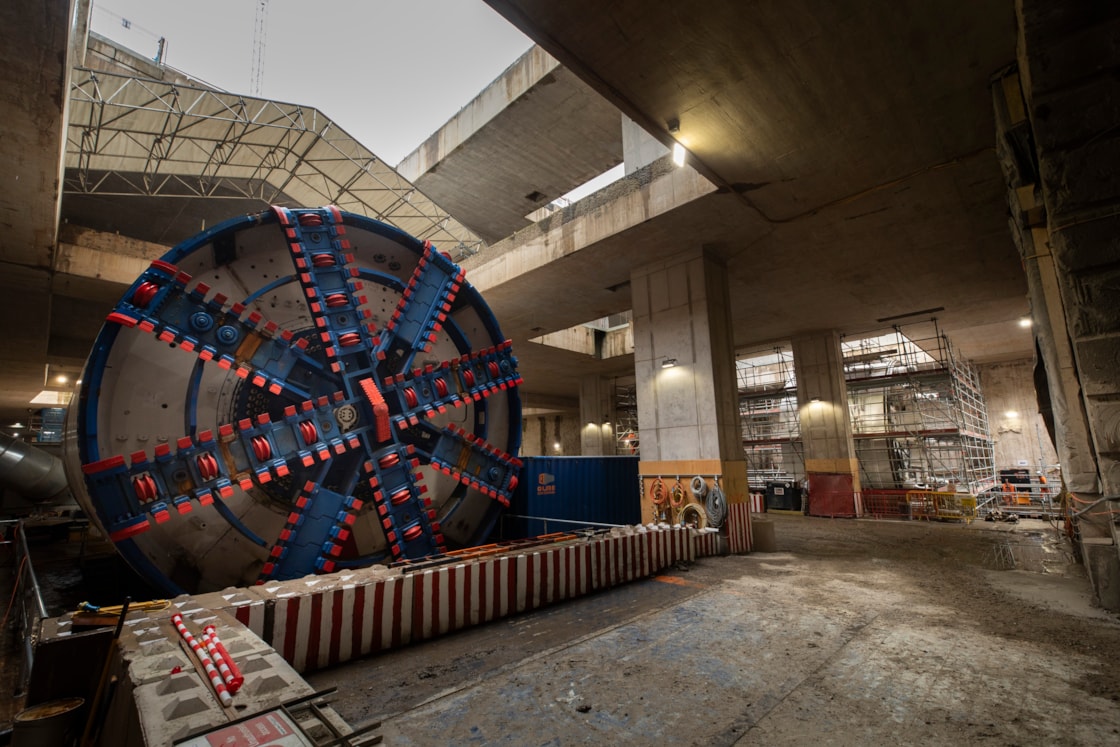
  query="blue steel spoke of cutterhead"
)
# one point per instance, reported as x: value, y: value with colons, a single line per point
x: 267, y: 356
x: 405, y: 512
x: 476, y: 463
x: 202, y: 469
x: 321, y: 518
x: 422, y: 310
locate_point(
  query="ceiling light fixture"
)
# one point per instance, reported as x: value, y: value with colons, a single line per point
x: 679, y: 154
x: 668, y: 362
x: 814, y: 400
x: 1025, y: 322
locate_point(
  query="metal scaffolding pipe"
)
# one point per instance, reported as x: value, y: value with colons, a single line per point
x: 31, y: 472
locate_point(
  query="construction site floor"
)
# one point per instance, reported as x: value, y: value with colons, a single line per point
x: 853, y: 633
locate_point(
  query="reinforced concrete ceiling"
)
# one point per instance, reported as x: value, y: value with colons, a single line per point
x: 850, y: 148
x: 846, y: 151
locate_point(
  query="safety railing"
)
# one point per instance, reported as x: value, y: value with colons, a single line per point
x: 918, y: 504
x: 26, y: 600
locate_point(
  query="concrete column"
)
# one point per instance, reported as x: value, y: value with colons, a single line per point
x: 596, y: 411
x: 688, y: 413
x: 639, y: 148
x: 826, y: 430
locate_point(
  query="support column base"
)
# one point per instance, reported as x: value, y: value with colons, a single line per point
x: 834, y: 487
x: 732, y: 481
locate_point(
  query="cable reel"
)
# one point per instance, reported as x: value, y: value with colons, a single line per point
x: 716, y: 504
x: 693, y: 515
x: 676, y: 495
x: 699, y: 487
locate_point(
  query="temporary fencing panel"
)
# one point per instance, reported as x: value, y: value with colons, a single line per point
x: 600, y: 490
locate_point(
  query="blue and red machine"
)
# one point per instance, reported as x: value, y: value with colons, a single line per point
x: 295, y: 392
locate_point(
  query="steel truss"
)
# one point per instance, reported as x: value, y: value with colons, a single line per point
x: 131, y: 136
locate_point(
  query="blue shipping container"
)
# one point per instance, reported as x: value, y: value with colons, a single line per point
x: 600, y: 490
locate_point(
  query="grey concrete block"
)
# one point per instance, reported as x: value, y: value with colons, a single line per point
x: 1103, y: 564
x: 1081, y: 178
x: 1098, y: 360
x: 1066, y: 118
x: 1088, y: 244
x: 1080, y: 45
x: 1092, y: 302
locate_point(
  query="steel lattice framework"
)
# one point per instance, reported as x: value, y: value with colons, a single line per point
x: 135, y: 136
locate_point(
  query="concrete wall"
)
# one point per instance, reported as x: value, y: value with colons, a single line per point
x: 541, y: 433
x: 1017, y: 428
x: 1068, y: 81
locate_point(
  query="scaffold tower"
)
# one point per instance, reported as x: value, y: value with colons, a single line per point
x: 918, y: 414
x: 771, y: 425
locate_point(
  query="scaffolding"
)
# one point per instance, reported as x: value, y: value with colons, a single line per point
x: 626, y: 420
x: 918, y: 415
x: 771, y: 424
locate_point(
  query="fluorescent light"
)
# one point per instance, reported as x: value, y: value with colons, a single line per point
x: 679, y: 154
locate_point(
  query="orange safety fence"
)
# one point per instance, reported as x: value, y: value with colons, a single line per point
x: 879, y: 503
x: 919, y: 504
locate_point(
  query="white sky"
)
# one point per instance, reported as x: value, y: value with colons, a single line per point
x: 389, y: 72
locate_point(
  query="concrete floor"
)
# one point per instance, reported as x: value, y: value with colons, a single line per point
x: 854, y: 633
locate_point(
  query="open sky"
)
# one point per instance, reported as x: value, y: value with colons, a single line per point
x: 389, y: 72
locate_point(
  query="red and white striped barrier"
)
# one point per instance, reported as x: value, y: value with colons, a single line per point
x: 216, y: 680
x: 328, y: 620
x: 739, y: 528
x: 709, y: 544
x: 758, y: 503
x: 250, y: 614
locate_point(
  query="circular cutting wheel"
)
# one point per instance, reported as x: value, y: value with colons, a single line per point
x: 290, y: 393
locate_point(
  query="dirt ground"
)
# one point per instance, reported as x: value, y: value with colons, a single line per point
x: 853, y: 633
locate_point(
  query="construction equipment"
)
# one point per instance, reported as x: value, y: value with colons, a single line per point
x: 294, y: 392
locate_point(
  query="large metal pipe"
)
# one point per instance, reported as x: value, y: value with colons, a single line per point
x: 31, y: 472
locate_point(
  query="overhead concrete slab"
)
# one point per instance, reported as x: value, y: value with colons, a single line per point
x: 532, y: 135
x: 852, y: 151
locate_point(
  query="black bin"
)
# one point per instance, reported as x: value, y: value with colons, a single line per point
x: 783, y: 496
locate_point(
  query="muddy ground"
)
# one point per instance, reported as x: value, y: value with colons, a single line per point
x: 853, y: 633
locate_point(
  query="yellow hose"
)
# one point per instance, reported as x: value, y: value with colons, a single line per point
x: 155, y: 604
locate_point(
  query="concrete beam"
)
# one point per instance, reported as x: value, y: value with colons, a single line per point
x: 515, y: 82
x: 624, y: 205
x: 532, y: 135
x: 35, y: 60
